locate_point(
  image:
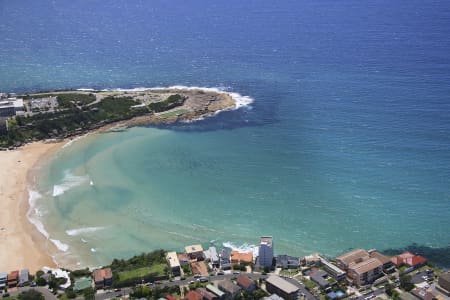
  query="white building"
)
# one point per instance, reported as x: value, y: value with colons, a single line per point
x: 10, y: 107
x: 265, y: 251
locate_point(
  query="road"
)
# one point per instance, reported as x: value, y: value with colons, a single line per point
x: 253, y: 276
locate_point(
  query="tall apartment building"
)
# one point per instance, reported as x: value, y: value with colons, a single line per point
x: 265, y: 251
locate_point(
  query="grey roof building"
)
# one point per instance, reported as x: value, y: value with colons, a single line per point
x: 229, y: 288
x: 320, y: 277
x: 24, y: 277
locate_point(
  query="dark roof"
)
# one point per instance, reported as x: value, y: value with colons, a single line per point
x: 244, y: 281
x: 229, y: 287
x: 319, y: 277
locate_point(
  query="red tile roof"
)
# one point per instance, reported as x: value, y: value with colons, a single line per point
x: 193, y: 295
x: 409, y: 259
x: 170, y: 297
x: 102, y: 274
x: 244, y: 281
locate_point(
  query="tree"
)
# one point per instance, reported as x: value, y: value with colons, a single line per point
x: 89, y: 294
x: 41, y: 281
x: 405, y: 283
x: 31, y: 295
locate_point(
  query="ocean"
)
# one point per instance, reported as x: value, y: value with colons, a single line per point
x: 346, y: 143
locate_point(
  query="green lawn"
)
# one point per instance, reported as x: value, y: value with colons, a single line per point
x: 141, y: 272
x: 173, y: 113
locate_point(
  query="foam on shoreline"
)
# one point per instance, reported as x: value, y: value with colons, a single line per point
x: 32, y: 199
x: 244, y: 248
x: 69, y: 181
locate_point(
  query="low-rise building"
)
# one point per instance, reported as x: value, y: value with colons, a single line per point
x: 13, y: 278
x: 333, y: 270
x: 229, y: 288
x: 239, y: 257
x: 183, y: 258
x: 195, y: 252
x: 3, y: 280
x: 422, y: 294
x: 193, y: 295
x: 366, y: 271
x: 387, y: 263
x: 102, y: 278
x: 211, y: 288
x: 320, y: 277
x: 174, y: 263
x: 24, y: 277
x: 282, y: 288
x: 212, y: 256
x: 356, y: 256
x: 206, y: 294
x: 273, y: 297
x: 409, y: 259
x: 10, y: 107
x: 225, y: 259
x: 246, y: 283
x: 287, y: 262
x: 444, y: 283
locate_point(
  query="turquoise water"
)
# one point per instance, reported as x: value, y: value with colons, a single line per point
x: 345, y: 145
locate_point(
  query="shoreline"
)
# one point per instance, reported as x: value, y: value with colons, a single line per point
x: 19, y: 234
x: 22, y: 246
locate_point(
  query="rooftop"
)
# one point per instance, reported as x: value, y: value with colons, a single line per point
x: 244, y: 281
x: 215, y: 290
x: 229, y: 286
x: 365, y: 266
x: 172, y: 258
x: 383, y: 259
x: 102, y: 274
x: 193, y: 295
x: 81, y: 284
x: 282, y: 284
x: 355, y: 255
x: 268, y: 240
x: 193, y: 249
x: 237, y: 256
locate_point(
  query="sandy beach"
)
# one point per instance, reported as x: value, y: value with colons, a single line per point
x: 21, y: 245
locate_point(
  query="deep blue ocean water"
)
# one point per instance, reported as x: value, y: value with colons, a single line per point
x: 346, y: 145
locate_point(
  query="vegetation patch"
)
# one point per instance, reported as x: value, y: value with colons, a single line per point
x: 171, y: 102
x: 74, y: 99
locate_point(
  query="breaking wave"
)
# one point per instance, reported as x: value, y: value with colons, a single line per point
x: 244, y: 248
x: 33, y: 217
x: 69, y: 181
x: 60, y: 245
x: 75, y: 232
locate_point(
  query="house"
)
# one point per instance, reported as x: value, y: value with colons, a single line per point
x: 331, y: 269
x: 281, y: 287
x: 211, y: 288
x: 366, y: 271
x: 174, y: 263
x: 183, y: 259
x: 311, y: 260
x: 287, y: 262
x: 195, y: 252
x: 193, y: 295
x: 102, y: 278
x: 3, y: 280
x: 57, y: 273
x: 13, y: 278
x: 246, y: 283
x: 225, y: 259
x: 444, y: 284
x: 355, y: 256
x: 241, y: 258
x: 320, y: 277
x: 422, y: 294
x: 199, y: 268
x: 265, y: 251
x: 24, y: 277
x: 212, y: 256
x: 206, y: 294
x: 409, y: 259
x: 229, y: 288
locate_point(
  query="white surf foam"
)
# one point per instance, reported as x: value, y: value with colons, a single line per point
x: 93, y: 250
x: 75, y: 232
x: 60, y: 245
x: 69, y: 181
x: 241, y: 101
x: 33, y: 218
x: 244, y: 248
